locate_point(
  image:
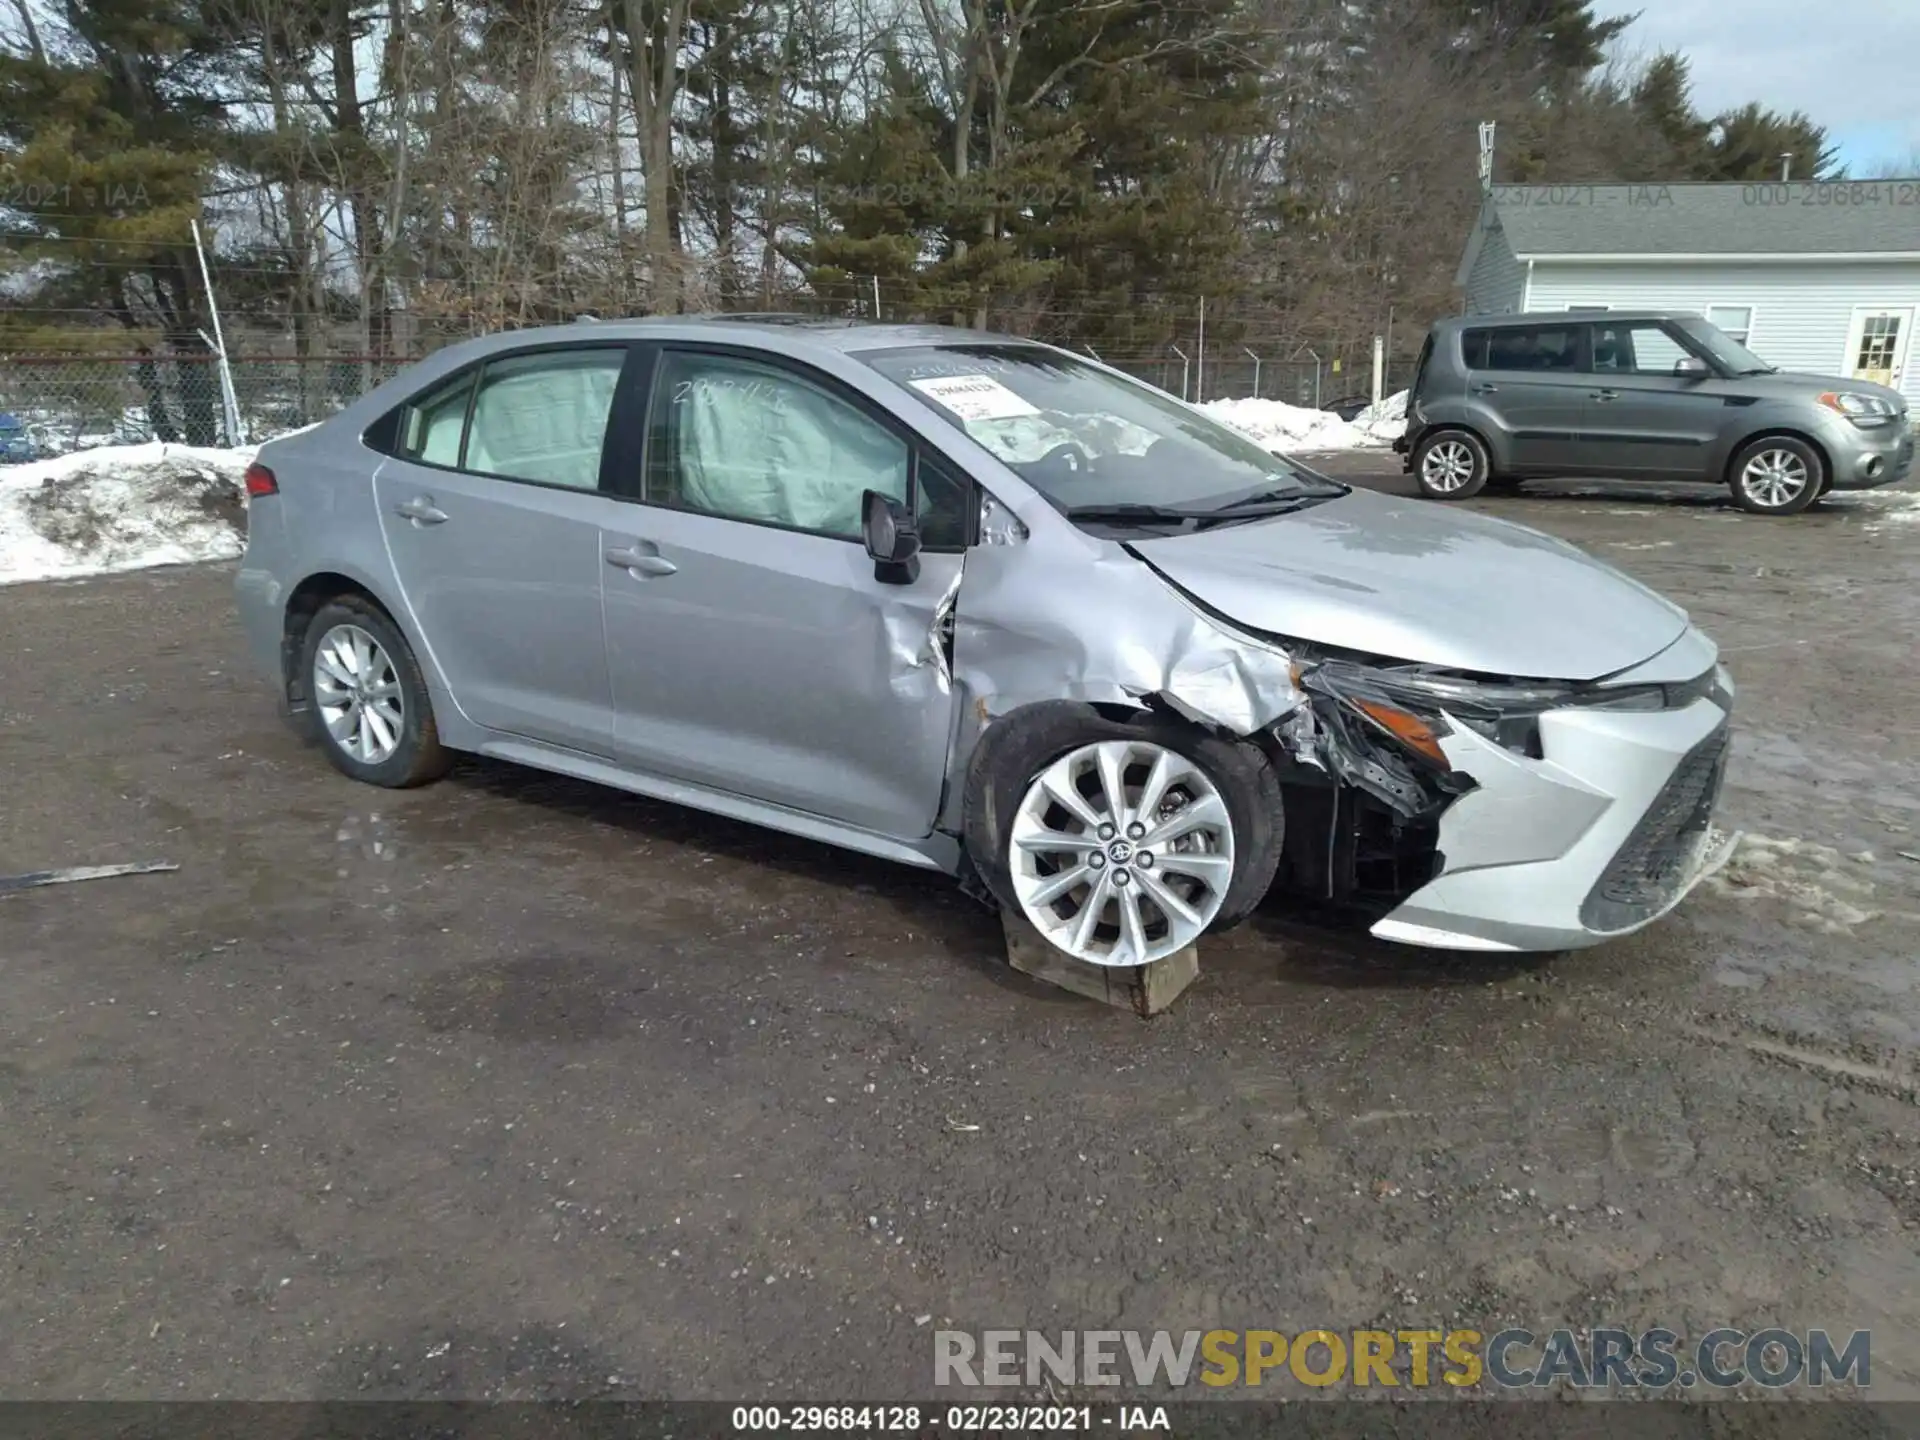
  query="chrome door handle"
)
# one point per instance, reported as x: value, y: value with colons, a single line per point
x: 1603, y: 396
x: 636, y: 561
x: 421, y: 511
x: 1486, y: 389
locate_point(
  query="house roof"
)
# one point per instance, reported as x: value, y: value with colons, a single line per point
x: 1867, y: 217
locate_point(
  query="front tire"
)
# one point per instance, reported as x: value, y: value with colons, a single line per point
x: 1451, y: 465
x: 1777, y: 475
x: 1121, y: 843
x: 371, y: 709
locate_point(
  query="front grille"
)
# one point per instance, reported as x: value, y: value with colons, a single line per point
x: 1653, y: 864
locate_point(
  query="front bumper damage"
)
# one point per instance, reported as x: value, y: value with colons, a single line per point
x: 1599, y: 839
x: 1596, y: 827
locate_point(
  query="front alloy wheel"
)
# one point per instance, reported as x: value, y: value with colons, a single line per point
x: 1122, y: 852
x: 1777, y: 477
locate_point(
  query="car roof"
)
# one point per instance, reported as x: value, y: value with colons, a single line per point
x: 1560, y: 317
x: 777, y: 331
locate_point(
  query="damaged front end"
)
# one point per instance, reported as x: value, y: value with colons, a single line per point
x: 1483, y: 812
x: 1365, y: 782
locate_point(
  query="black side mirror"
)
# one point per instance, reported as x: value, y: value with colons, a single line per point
x: 893, y: 538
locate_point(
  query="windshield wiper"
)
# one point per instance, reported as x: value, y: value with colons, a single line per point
x: 1756, y: 370
x: 1168, y: 514
x: 1272, y: 502
x: 1252, y: 507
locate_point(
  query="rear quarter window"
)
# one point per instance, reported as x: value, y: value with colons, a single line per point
x: 1474, y: 346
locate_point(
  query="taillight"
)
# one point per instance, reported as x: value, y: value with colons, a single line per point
x: 260, y: 480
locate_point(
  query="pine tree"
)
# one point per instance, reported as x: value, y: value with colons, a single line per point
x: 111, y: 134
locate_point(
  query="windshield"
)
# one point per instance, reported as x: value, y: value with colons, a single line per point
x: 1725, y: 351
x: 1088, y: 439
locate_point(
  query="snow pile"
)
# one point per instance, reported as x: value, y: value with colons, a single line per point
x: 1281, y: 427
x: 1389, y: 411
x: 121, y: 508
x: 1816, y: 880
x: 1890, y: 507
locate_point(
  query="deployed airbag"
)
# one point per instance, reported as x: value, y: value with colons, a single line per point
x: 764, y: 447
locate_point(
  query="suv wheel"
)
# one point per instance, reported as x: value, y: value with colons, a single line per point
x: 1451, y: 465
x: 1777, y: 475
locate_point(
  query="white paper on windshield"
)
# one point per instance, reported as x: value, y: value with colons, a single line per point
x: 974, y: 397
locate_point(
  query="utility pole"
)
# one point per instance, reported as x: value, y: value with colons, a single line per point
x: 1200, y: 369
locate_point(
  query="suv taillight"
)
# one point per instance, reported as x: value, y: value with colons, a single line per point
x: 261, y: 481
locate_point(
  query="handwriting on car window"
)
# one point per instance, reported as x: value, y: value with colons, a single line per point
x: 754, y: 389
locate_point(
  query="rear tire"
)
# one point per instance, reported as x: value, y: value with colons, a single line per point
x: 1777, y: 475
x: 1451, y: 465
x: 370, y: 707
x: 1007, y: 822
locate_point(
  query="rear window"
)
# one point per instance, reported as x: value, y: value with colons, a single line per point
x: 1420, y: 366
x: 1524, y: 347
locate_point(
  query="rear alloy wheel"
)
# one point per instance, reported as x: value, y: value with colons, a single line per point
x: 1122, y: 852
x: 370, y: 706
x: 1777, y: 476
x: 1451, y: 465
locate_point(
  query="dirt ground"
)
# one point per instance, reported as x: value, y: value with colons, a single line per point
x: 514, y: 1086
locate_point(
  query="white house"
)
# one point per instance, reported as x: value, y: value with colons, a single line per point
x: 1821, y: 277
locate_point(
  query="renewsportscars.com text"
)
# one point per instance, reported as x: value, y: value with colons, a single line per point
x: 1509, y: 1359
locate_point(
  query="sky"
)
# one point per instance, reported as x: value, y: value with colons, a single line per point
x: 1849, y: 64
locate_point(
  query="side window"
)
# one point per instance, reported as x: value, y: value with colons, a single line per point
x: 1637, y: 349
x: 430, y: 428
x: 1536, y: 347
x: 754, y: 441
x: 1474, y: 348
x: 543, y: 416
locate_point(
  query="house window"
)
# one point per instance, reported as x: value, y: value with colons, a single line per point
x: 1735, y: 320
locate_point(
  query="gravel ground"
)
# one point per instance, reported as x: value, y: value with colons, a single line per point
x: 514, y: 1086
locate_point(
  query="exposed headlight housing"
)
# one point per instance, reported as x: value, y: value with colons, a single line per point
x: 1864, y: 410
x: 1413, y: 705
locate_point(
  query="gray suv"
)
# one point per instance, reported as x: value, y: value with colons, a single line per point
x: 1640, y: 395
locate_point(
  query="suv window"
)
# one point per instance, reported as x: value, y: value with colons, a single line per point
x: 1525, y: 348
x: 1642, y: 349
x: 1420, y: 366
x: 752, y: 441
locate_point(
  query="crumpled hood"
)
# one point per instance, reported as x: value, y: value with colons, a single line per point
x: 1424, y: 581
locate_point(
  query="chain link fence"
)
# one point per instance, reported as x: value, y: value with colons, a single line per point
x: 53, y: 405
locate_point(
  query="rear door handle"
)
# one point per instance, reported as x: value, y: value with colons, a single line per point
x: 1486, y: 389
x: 1603, y: 396
x: 637, y: 560
x: 421, y: 511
